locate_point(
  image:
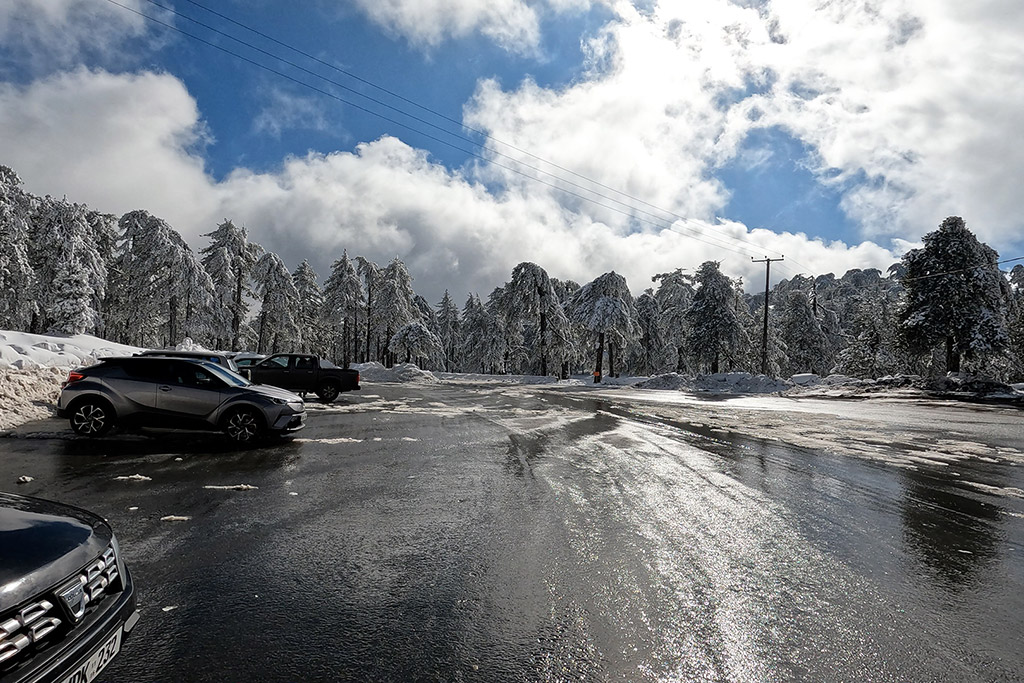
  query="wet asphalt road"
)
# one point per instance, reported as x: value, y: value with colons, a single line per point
x: 488, y: 533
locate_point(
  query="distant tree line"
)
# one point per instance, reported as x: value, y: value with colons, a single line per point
x: 69, y: 270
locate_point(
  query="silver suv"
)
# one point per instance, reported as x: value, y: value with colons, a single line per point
x: 175, y: 393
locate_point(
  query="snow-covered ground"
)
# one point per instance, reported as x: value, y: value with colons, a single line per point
x: 32, y: 366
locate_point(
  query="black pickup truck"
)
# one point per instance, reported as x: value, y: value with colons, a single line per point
x: 300, y: 372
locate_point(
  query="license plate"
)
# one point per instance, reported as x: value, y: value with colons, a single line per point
x: 91, y: 668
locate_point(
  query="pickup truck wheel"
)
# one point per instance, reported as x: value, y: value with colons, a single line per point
x: 242, y: 425
x: 328, y: 391
x: 92, y: 417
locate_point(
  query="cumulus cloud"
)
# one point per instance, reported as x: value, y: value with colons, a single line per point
x: 121, y: 142
x: 512, y: 24
x: 41, y: 35
x: 909, y: 108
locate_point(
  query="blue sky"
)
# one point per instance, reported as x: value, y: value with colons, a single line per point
x: 836, y: 135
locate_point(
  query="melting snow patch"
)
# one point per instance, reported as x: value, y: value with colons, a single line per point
x: 340, y: 439
x: 175, y: 518
x: 133, y: 477
x: 409, y: 438
x: 235, y: 487
x: 25, y: 479
x: 997, y: 490
x: 170, y: 608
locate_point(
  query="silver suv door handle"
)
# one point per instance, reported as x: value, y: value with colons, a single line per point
x: 165, y: 388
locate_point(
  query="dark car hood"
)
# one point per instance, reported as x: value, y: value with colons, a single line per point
x: 274, y: 392
x: 42, y: 543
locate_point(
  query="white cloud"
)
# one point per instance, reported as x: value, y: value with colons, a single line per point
x: 286, y: 111
x: 121, y: 142
x: 48, y: 34
x: 910, y: 108
x: 512, y: 24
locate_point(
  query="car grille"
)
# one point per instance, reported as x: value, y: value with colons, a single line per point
x: 39, y: 624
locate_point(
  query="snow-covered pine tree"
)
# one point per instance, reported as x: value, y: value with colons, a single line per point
x: 472, y: 351
x: 674, y: 295
x: 605, y: 308
x: 231, y: 272
x: 277, y: 327
x: 502, y: 347
x: 309, y: 316
x: 103, y: 227
x: 647, y: 356
x: 415, y: 342
x: 955, y: 296
x: 373, y: 276
x: 17, y: 277
x: 344, y: 302
x: 806, y: 345
x: 395, y: 308
x: 872, y: 350
x: 532, y: 300
x: 714, y: 331
x: 69, y: 269
x: 449, y: 331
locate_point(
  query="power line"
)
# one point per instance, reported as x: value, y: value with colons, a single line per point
x: 422, y: 107
x: 633, y: 209
x: 961, y: 270
x: 630, y: 214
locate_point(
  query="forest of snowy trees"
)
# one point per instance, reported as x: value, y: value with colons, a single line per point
x: 66, y: 269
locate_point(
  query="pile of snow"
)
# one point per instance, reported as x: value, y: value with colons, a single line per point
x: 28, y: 393
x: 718, y: 383
x: 23, y: 350
x: 401, y: 373
x: 32, y: 366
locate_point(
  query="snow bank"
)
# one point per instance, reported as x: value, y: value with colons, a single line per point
x: 718, y: 383
x: 28, y: 393
x: 23, y: 350
x: 32, y: 366
x: 401, y: 373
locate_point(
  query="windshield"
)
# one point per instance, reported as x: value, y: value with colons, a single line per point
x: 232, y: 379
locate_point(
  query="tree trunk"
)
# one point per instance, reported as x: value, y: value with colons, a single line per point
x: 236, y: 314
x: 565, y: 370
x: 679, y: 360
x: 952, y: 356
x: 259, y: 341
x: 369, y: 304
x: 543, y: 360
x: 600, y: 358
x: 611, y: 359
x: 714, y: 364
x: 172, y: 318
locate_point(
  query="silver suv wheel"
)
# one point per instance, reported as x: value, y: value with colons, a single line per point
x: 91, y: 418
x: 242, y: 426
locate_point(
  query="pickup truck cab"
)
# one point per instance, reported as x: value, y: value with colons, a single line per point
x: 300, y: 372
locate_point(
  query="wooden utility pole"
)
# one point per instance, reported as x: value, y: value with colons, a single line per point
x: 764, y: 338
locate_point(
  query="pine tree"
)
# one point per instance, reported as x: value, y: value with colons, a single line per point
x: 17, y: 277
x: 605, y: 308
x: 372, y: 276
x: 955, y: 296
x: 674, y: 295
x: 395, y: 308
x: 231, y: 271
x: 449, y: 331
x: 415, y: 341
x: 69, y: 270
x: 715, y: 332
x: 806, y: 344
x: 648, y: 354
x: 277, y: 328
x: 309, y: 316
x: 474, y: 336
x: 344, y: 301
x: 532, y: 298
